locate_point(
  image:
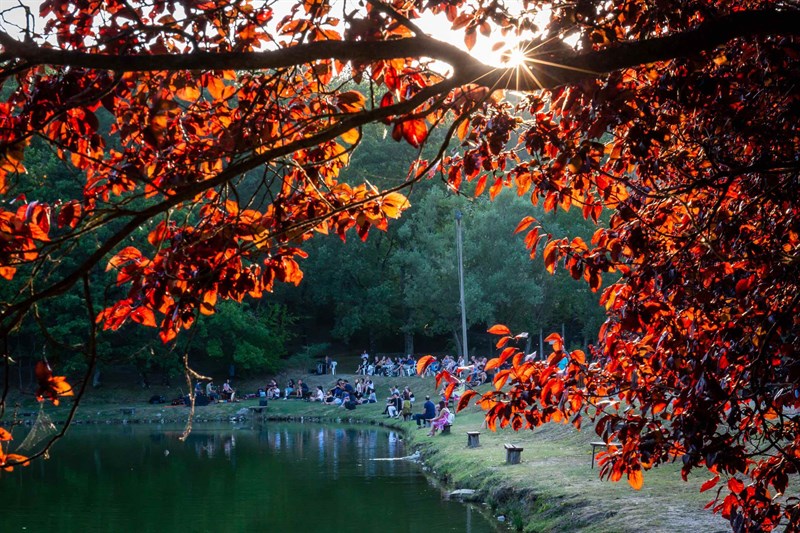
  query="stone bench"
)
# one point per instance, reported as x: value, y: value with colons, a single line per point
x: 513, y: 454
x: 473, y: 439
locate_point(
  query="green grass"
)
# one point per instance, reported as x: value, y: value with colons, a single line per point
x: 552, y: 489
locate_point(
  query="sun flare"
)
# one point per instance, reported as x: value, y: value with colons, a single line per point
x: 515, y: 58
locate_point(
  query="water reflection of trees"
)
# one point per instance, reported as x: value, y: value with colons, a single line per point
x: 331, y: 447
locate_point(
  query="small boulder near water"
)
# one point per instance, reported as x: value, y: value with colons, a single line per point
x: 461, y: 494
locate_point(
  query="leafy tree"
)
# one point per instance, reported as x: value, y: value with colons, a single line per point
x: 251, y: 339
x: 679, y: 117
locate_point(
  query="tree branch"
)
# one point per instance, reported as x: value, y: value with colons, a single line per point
x: 542, y: 73
x: 18, y: 310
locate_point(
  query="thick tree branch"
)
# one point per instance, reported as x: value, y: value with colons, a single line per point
x: 548, y: 72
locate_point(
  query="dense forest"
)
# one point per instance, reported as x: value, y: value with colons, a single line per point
x: 395, y: 292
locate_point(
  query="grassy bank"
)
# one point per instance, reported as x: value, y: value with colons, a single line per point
x: 552, y: 489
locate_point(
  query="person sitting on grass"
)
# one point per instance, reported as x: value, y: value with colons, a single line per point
x: 391, y: 405
x: 336, y: 393
x: 329, y: 397
x: 318, y: 395
x: 289, y: 390
x: 211, y: 391
x: 301, y: 391
x: 273, y: 391
x: 349, y: 401
x: 371, y: 397
x: 406, y: 405
x: 440, y: 420
x: 227, y: 391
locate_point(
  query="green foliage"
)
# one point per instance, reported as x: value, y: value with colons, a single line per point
x: 252, y: 338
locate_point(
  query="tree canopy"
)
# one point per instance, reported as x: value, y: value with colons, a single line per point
x: 677, y: 118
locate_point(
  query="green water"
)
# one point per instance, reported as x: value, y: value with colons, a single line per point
x: 278, y: 477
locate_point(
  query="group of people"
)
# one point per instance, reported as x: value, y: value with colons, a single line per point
x: 345, y: 394
x: 471, y: 371
x: 349, y: 395
x: 399, y: 403
x: 211, y: 394
x: 293, y: 389
x: 387, y: 366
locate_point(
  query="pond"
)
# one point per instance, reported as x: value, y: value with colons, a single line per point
x: 275, y: 477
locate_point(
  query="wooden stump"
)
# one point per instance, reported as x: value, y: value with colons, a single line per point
x: 513, y: 454
x: 473, y: 439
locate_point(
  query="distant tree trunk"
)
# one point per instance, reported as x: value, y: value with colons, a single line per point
x: 459, y: 347
x: 409, y: 342
x: 541, y: 344
x: 373, y: 343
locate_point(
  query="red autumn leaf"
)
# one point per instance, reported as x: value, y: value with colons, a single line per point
x: 50, y: 386
x: 499, y: 329
x: 143, y: 315
x: 495, y: 189
x: 500, y: 378
x: 448, y: 391
x: 479, y: 188
x: 578, y: 357
x: 636, y: 479
x: 415, y: 132
x: 709, y: 484
x: 8, y: 461
x: 735, y: 485
x: 470, y: 36
x: 502, y: 341
x: 555, y: 341
x: 69, y: 214
x: 423, y: 363
x: 463, y: 402
x: 497, y: 361
x: 524, y: 223
x: 551, y: 256
x: 127, y: 254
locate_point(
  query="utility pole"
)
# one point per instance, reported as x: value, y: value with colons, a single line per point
x: 460, y: 253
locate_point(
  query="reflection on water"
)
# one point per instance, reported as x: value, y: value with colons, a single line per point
x: 275, y: 477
